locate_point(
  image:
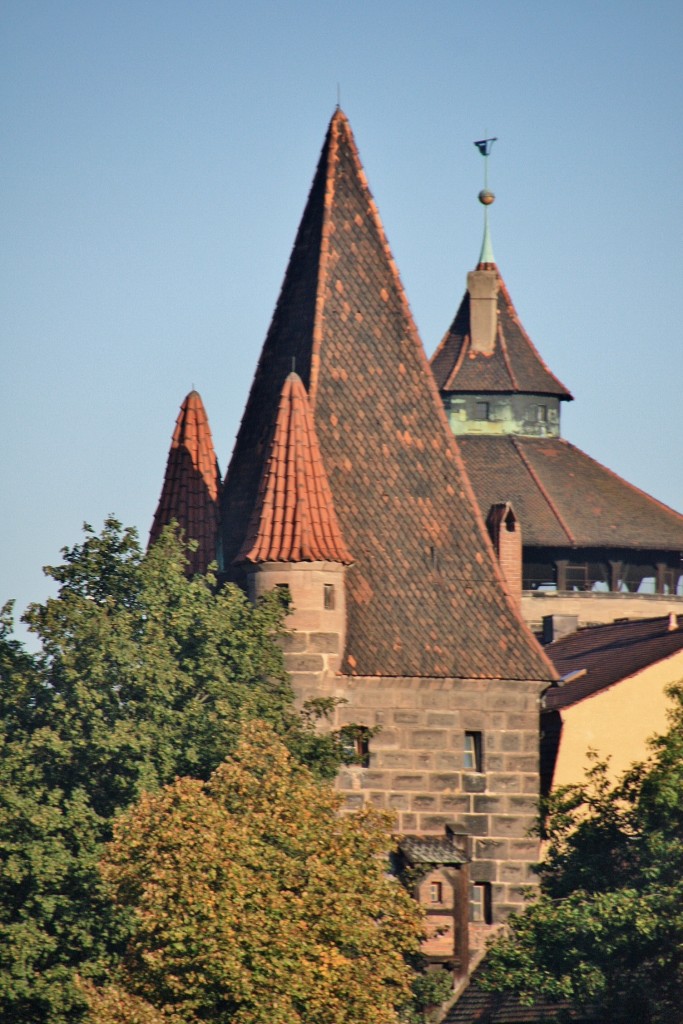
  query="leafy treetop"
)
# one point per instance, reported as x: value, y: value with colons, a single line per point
x: 256, y: 902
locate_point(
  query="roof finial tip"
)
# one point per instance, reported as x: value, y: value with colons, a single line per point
x: 486, y: 198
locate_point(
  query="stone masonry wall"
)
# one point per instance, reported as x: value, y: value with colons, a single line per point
x: 416, y: 765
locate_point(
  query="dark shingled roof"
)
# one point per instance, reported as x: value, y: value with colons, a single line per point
x: 607, y: 654
x: 431, y: 850
x: 562, y: 497
x: 514, y: 366
x: 478, y: 1007
x: 424, y: 596
x: 294, y: 518
x: 191, y: 484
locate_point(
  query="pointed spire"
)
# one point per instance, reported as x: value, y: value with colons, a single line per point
x: 423, y: 569
x: 486, y: 258
x: 191, y: 484
x: 294, y: 518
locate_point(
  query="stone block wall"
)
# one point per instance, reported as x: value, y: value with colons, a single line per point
x: 417, y: 767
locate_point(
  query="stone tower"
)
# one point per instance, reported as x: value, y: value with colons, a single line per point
x: 436, y: 661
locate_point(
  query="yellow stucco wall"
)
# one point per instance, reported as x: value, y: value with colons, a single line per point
x: 617, y: 721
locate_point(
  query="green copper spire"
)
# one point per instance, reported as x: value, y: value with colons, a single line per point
x: 486, y: 197
x: 486, y: 255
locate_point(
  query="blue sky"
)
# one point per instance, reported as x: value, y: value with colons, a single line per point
x: 158, y: 155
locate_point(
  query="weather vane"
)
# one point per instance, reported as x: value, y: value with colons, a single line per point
x: 486, y: 197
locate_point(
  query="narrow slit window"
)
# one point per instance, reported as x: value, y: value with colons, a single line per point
x: 328, y: 597
x: 480, y: 903
x: 472, y: 752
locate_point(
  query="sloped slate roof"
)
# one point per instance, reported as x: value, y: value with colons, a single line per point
x: 294, y: 518
x: 431, y: 850
x: 424, y: 596
x: 478, y: 1007
x: 562, y: 497
x: 514, y: 366
x: 608, y: 654
x: 191, y: 485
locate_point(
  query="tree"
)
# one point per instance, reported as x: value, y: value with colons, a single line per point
x: 608, y: 926
x: 142, y: 675
x: 256, y: 902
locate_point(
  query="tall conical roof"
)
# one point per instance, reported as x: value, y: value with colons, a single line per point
x: 514, y: 365
x: 191, y: 484
x: 294, y: 518
x: 424, y: 596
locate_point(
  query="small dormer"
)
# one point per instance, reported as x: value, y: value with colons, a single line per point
x: 438, y: 869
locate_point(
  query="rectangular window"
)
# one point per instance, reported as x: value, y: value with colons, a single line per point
x: 356, y: 744
x: 328, y: 596
x: 472, y: 752
x: 435, y: 892
x: 542, y: 413
x: 481, y: 411
x: 480, y: 902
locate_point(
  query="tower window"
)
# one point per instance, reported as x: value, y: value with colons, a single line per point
x: 542, y: 413
x: 481, y: 410
x: 435, y: 892
x: 472, y: 752
x: 480, y: 902
x: 328, y: 597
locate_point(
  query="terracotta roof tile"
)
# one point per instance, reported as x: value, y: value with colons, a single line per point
x: 190, y: 492
x: 425, y: 596
x: 515, y: 365
x: 606, y: 654
x: 294, y: 518
x: 563, y: 498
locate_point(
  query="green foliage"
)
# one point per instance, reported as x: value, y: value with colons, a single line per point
x: 256, y: 902
x: 429, y: 989
x: 142, y: 675
x: 608, y: 926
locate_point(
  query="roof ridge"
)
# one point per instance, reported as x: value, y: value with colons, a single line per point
x: 515, y: 316
x: 551, y: 504
x: 623, y: 480
x: 506, y: 356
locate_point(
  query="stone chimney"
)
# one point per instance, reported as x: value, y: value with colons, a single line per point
x: 506, y: 534
x: 557, y: 626
x: 482, y: 286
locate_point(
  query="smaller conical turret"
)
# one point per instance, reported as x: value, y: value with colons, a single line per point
x: 191, y: 485
x: 294, y: 541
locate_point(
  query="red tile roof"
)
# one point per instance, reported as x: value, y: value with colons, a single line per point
x: 515, y: 365
x: 190, y: 491
x: 563, y: 498
x: 294, y: 518
x: 425, y: 596
x: 606, y: 654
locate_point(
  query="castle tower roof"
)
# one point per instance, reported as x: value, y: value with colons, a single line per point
x: 425, y: 596
x: 191, y: 484
x: 294, y: 518
x: 512, y: 366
